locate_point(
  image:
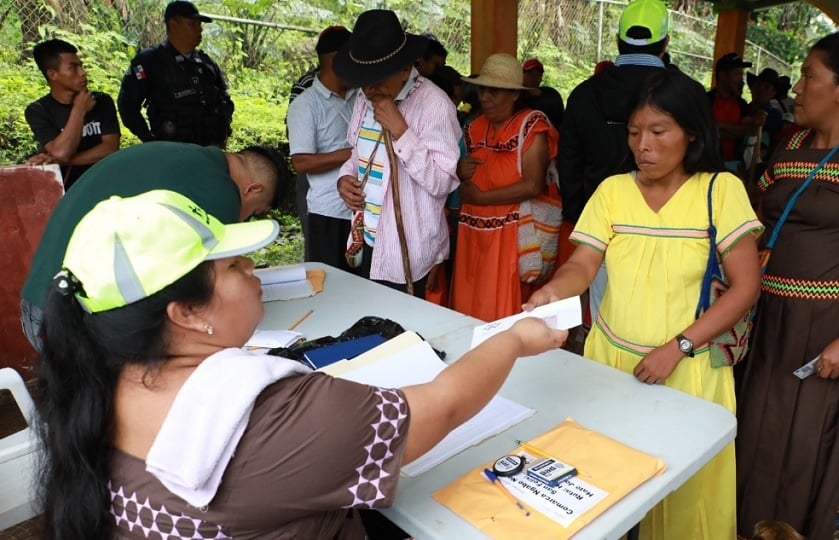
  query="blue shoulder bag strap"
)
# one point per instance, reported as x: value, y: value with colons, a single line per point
x: 713, y: 266
x: 777, y: 229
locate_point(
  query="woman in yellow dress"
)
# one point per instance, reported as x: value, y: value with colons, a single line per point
x: 651, y: 228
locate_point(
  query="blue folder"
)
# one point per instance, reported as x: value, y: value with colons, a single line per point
x: 323, y: 356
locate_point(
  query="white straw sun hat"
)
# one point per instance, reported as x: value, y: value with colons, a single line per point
x: 500, y: 70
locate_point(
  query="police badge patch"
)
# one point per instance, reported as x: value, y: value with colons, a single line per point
x: 139, y: 72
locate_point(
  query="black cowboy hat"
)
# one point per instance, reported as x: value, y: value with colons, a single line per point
x: 378, y: 48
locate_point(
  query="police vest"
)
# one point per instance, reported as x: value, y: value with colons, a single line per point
x: 188, y: 101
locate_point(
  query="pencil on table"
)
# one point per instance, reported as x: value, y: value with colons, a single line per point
x: 301, y: 319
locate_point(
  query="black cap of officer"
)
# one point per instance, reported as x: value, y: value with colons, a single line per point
x: 182, y: 8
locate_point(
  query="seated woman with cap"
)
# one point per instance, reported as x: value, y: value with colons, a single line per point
x: 154, y: 419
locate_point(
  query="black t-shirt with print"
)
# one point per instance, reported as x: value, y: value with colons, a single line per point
x: 47, y: 118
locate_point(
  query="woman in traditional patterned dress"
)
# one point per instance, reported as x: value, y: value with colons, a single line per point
x: 486, y: 275
x: 651, y: 226
x: 788, y: 439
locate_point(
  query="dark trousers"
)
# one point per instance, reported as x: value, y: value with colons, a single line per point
x: 327, y: 241
x: 367, y: 259
x: 301, y: 189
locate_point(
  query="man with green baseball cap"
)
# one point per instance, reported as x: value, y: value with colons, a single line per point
x: 231, y: 186
x: 593, y: 130
x: 117, y: 254
x: 643, y: 22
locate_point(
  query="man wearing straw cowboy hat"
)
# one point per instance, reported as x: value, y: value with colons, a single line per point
x: 404, y: 137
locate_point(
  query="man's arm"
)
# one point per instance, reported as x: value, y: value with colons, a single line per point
x: 227, y: 104
x: 106, y: 114
x: 41, y: 158
x: 60, y: 143
x: 132, y: 93
x: 318, y: 163
x: 303, y: 144
x: 109, y: 145
x: 748, y: 124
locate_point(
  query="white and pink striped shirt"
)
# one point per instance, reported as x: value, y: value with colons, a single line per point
x: 427, y: 153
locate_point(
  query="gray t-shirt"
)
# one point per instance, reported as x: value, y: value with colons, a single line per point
x: 315, y: 449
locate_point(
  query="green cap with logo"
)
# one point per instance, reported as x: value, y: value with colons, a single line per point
x: 127, y: 249
x: 651, y: 15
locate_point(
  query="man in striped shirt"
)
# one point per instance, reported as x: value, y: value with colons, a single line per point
x: 421, y: 122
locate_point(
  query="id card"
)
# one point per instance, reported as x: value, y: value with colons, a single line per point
x: 807, y: 369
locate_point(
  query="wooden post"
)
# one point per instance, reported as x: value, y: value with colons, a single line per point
x: 731, y: 33
x: 494, y: 29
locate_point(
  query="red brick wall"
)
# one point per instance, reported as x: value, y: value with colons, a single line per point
x: 27, y: 198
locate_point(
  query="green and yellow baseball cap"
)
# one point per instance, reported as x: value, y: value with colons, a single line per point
x: 127, y: 249
x: 651, y: 15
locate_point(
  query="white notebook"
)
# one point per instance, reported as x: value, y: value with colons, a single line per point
x: 284, y: 283
x: 416, y: 364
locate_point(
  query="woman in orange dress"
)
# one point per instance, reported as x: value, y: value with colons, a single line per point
x: 493, y: 184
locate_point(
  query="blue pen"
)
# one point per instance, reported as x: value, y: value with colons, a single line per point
x: 489, y: 475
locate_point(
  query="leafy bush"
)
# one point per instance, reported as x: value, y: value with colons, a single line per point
x: 19, y: 86
x: 287, y: 248
x: 261, y: 99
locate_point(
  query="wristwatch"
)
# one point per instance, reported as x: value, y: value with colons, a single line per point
x: 685, y: 345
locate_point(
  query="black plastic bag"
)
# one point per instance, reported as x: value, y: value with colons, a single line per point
x: 365, y: 326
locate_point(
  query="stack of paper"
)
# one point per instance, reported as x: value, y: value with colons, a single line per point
x: 499, y: 415
x: 407, y: 360
x: 284, y: 283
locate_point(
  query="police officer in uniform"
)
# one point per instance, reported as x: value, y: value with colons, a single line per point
x: 183, y: 90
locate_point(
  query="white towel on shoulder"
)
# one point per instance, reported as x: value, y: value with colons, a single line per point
x: 207, y: 419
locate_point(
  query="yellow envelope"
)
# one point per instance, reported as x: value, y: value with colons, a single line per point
x: 603, y: 462
x: 316, y: 279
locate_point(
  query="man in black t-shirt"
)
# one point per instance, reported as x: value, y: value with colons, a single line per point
x: 73, y: 126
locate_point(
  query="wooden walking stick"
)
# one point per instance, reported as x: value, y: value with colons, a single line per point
x: 397, y: 207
